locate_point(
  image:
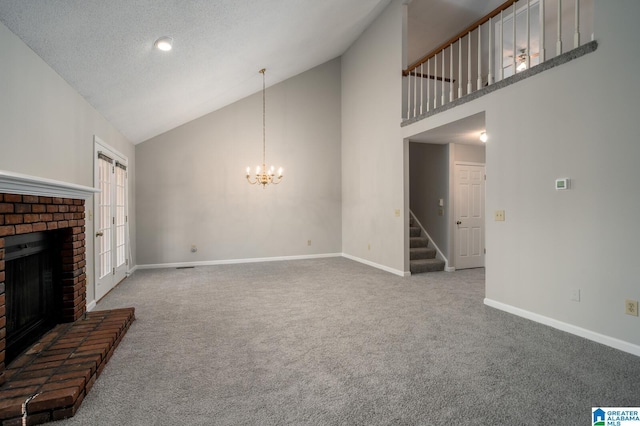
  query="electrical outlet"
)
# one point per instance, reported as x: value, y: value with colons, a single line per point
x: 308, y: 242
x: 194, y: 248
x: 499, y: 216
x: 397, y: 212
x: 575, y: 294
x: 369, y: 246
x: 631, y: 307
x: 440, y: 211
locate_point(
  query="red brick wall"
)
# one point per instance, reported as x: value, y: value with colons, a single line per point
x: 22, y: 214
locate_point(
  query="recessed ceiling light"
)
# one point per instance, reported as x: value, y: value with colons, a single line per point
x: 164, y: 43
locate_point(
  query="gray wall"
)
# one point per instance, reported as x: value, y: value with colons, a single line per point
x: 581, y: 123
x: 373, y: 152
x: 429, y: 181
x: 191, y: 184
x: 469, y: 153
x: 47, y: 129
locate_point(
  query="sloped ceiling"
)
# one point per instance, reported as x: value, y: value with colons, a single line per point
x: 104, y: 49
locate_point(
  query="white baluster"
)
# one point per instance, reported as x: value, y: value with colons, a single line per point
x: 435, y: 82
x: 576, y: 36
x: 421, y: 87
x: 443, y: 91
x: 428, y: 85
x: 541, y: 53
x: 460, y: 68
x: 479, y: 57
x: 501, y: 60
x: 559, y: 42
x: 415, y: 91
x: 527, y: 58
x: 490, y: 77
x: 515, y: 54
x: 469, y: 85
x: 451, y: 84
x: 409, y: 95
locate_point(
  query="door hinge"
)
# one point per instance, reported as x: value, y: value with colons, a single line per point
x: 126, y: 261
x: 114, y: 271
x: 485, y: 251
x: 126, y: 218
x: 113, y: 220
x: 485, y: 177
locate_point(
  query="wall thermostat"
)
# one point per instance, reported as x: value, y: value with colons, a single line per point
x: 563, y: 183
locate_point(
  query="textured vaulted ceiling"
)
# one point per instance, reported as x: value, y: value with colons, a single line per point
x: 104, y: 49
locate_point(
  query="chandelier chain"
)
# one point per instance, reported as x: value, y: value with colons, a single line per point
x: 264, y: 119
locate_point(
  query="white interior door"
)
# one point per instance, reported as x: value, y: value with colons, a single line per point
x: 469, y: 215
x: 110, y: 221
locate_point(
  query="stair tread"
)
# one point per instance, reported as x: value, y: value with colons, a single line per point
x: 427, y: 261
x: 426, y: 265
x: 422, y: 253
x: 418, y: 242
x: 414, y: 231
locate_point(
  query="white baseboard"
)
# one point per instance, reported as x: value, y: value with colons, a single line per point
x: 269, y: 259
x: 450, y: 269
x: 132, y: 270
x: 377, y: 265
x: 235, y: 261
x: 91, y: 306
x: 569, y: 328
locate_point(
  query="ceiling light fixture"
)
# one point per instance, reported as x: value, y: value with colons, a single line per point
x: 164, y: 43
x: 483, y: 137
x: 264, y: 176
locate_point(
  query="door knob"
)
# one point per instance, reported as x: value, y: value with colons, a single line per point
x: 458, y: 223
x: 99, y: 234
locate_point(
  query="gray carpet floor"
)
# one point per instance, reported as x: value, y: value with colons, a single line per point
x: 334, y: 342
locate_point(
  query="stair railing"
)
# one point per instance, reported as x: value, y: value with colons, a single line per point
x: 472, y: 59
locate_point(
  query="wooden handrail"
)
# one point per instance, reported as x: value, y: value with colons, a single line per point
x: 507, y: 4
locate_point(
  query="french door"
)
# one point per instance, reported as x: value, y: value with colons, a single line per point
x: 111, y: 219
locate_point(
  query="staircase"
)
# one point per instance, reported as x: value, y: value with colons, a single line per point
x: 422, y: 258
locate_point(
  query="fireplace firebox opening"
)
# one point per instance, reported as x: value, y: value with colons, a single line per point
x: 33, y: 270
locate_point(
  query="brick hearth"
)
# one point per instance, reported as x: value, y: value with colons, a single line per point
x: 61, y: 368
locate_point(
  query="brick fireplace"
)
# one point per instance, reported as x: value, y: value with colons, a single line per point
x: 24, y: 214
x: 31, y: 205
x: 49, y: 379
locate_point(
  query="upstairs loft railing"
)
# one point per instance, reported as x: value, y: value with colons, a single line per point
x: 512, y: 38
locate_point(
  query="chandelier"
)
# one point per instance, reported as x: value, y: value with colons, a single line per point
x: 264, y: 176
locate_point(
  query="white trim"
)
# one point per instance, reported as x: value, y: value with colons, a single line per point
x: 17, y: 183
x: 442, y: 257
x: 91, y: 306
x: 377, y: 265
x: 132, y: 270
x: 100, y: 146
x: 97, y: 140
x: 569, y: 328
x: 234, y: 261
